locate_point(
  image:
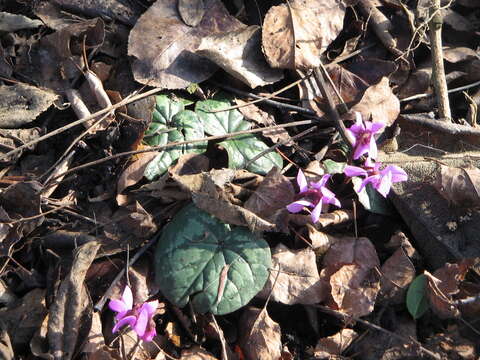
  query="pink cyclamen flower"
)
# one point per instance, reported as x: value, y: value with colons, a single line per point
x: 312, y: 195
x: 361, y: 135
x: 381, y: 180
x: 139, y: 317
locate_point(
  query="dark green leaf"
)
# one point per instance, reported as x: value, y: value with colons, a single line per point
x: 195, y: 250
x: 417, y: 302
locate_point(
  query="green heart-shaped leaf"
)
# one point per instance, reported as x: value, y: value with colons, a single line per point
x: 171, y: 123
x: 201, y: 259
x: 240, y: 149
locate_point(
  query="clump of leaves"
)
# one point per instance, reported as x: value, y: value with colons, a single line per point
x: 218, y: 267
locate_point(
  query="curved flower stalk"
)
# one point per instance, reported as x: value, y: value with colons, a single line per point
x: 139, y: 317
x: 361, y: 135
x: 381, y: 180
x: 312, y: 195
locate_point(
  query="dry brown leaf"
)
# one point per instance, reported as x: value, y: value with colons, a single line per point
x: 20, y: 104
x: 260, y: 336
x: 6, y: 350
x: 349, y: 267
x: 459, y: 186
x: 134, y: 172
x: 270, y: 199
x: 263, y: 118
x: 94, y: 341
x: 321, y: 241
x: 23, y: 317
x: 210, y: 192
x: 296, y: 275
x: 11, y: 138
x: 452, y: 345
x: 191, y: 11
x: 70, y: 304
x: 441, y: 303
x: 397, y: 273
x: 295, y: 35
x: 238, y: 53
x: 190, y: 164
x: 169, y: 61
x: 335, y: 344
x: 196, y: 353
x: 379, y: 103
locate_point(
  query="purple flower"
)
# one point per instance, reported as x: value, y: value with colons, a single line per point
x: 139, y: 317
x: 312, y: 195
x: 381, y: 180
x: 361, y: 135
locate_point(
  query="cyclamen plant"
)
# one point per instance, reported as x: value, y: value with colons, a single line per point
x: 362, y: 136
x: 139, y: 317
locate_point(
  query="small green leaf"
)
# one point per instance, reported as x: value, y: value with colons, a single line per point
x: 417, y: 302
x: 170, y: 123
x: 371, y: 199
x: 217, y: 267
x: 240, y: 149
x: 333, y: 167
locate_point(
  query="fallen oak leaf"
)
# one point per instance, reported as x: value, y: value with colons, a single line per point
x: 459, y: 186
x: 334, y: 345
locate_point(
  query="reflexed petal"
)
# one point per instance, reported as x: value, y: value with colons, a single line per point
x: 383, y: 187
x: 298, y: 206
x: 376, y: 127
x: 316, y: 212
x: 372, y: 149
x: 141, y: 324
x: 360, y: 149
x: 327, y: 194
x: 118, y: 306
x: 302, y: 181
x: 323, y: 181
x: 130, y: 320
x: 398, y: 174
x: 369, y: 163
x: 150, y: 307
x: 354, y: 171
x: 149, y: 334
x: 371, y: 179
x: 333, y: 201
x: 127, y: 297
x: 352, y: 137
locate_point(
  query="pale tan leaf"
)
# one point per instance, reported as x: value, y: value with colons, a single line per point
x: 260, y: 336
x: 335, y: 344
x: 296, y: 275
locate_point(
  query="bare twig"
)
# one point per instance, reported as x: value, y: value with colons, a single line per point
x: 406, y: 340
x: 443, y: 126
x: 461, y: 88
x: 178, y: 143
x: 438, y: 70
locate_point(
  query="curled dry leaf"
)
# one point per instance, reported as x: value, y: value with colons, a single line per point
x: 335, y: 344
x: 134, y: 172
x: 238, y: 53
x: 270, y: 199
x: 295, y: 35
x: 459, y: 186
x: 95, y: 340
x: 20, y: 104
x: 397, y: 273
x: 190, y: 164
x: 294, y: 277
x: 211, y: 192
x: 321, y: 241
x: 70, y: 304
x: 21, y: 328
x: 348, y: 267
x: 191, y: 11
x: 169, y: 60
x: 443, y: 287
x: 260, y: 336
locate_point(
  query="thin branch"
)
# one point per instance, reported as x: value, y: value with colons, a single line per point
x: 438, y: 70
x: 443, y: 126
x: 178, y: 143
x: 461, y: 88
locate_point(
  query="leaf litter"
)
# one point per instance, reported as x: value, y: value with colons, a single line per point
x: 238, y: 231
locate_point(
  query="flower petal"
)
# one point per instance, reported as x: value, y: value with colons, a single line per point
x: 315, y: 215
x: 374, y: 179
x: 360, y: 149
x: 398, y: 174
x: 127, y: 297
x: 149, y: 334
x: 150, y: 307
x: 118, y: 306
x: 130, y: 320
x: 372, y: 148
x: 323, y: 181
x: 383, y: 187
x: 142, y: 321
x: 376, y: 127
x: 350, y: 171
x: 302, y: 181
x: 298, y: 206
